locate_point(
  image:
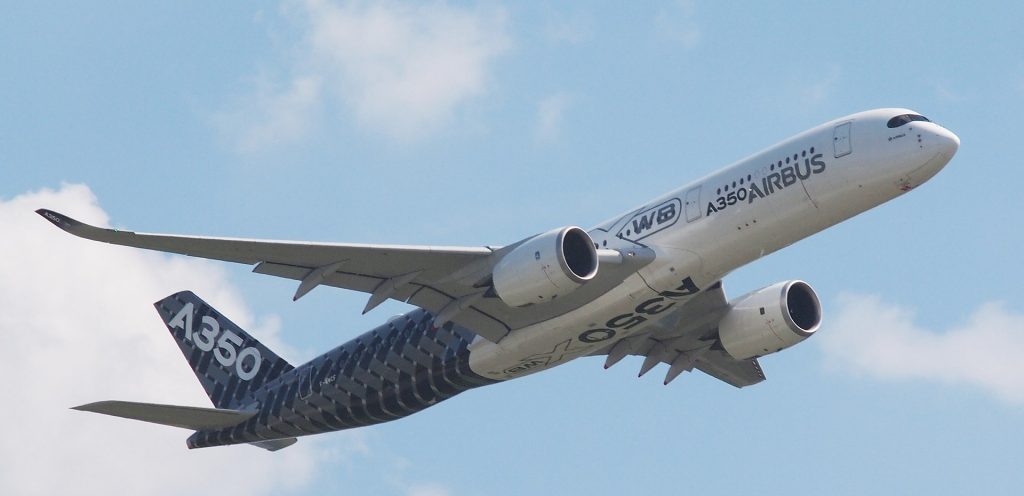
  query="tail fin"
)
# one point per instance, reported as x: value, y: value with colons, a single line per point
x: 228, y: 362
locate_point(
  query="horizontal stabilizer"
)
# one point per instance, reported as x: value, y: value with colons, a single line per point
x: 186, y: 417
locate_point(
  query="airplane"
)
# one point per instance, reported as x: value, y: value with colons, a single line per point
x: 646, y: 283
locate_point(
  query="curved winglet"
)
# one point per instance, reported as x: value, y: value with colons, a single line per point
x: 72, y: 226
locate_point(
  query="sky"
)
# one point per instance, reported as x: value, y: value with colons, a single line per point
x: 463, y: 123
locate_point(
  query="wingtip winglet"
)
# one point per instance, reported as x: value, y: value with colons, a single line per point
x: 75, y: 227
x: 60, y: 220
x: 54, y: 218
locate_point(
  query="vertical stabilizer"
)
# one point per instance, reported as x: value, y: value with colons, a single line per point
x: 228, y: 362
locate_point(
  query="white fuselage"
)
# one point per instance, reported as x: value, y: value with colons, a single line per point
x: 710, y: 227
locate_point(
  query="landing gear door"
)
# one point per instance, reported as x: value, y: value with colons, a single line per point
x: 693, y: 211
x: 841, y: 140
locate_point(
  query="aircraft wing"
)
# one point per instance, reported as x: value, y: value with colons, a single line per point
x: 686, y: 340
x: 451, y: 282
x: 721, y: 366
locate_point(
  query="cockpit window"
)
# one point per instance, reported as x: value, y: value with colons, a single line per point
x: 900, y: 120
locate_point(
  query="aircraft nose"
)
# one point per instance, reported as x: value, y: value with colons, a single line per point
x: 945, y: 141
x: 937, y: 147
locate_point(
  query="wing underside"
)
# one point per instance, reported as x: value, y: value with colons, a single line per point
x: 451, y: 282
x: 688, y: 340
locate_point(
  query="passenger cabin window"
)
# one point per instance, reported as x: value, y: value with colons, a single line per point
x: 900, y: 120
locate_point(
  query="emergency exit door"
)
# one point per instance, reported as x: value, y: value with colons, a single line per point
x: 841, y: 140
x: 693, y: 211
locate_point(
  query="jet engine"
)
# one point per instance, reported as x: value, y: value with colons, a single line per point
x: 545, y: 267
x: 770, y: 319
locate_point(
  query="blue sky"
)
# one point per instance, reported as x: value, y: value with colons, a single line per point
x: 470, y: 124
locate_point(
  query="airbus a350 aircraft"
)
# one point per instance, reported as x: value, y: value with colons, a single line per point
x: 647, y: 283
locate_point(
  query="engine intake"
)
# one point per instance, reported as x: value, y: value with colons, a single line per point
x: 770, y: 319
x: 545, y: 267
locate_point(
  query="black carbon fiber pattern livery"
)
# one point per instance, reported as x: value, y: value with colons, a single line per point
x: 388, y: 373
x: 194, y: 325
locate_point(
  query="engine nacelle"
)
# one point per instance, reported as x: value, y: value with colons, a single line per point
x: 545, y: 267
x: 770, y: 319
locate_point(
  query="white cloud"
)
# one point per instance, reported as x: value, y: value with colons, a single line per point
x: 401, y: 69
x: 549, y: 116
x: 271, y: 116
x: 882, y: 340
x: 79, y: 326
x: 676, y: 23
x: 405, y: 68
